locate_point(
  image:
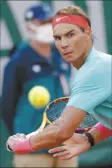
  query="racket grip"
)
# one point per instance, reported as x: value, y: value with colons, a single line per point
x: 82, y: 130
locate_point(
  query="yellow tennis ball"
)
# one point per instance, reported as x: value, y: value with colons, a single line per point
x: 39, y: 96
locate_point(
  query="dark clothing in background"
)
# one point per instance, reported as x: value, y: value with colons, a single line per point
x: 25, y: 70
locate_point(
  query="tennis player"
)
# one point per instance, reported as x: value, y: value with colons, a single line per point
x: 91, y: 91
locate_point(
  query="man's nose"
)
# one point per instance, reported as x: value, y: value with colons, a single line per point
x: 64, y: 42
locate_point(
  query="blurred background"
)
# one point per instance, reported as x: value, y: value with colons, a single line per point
x: 12, y: 31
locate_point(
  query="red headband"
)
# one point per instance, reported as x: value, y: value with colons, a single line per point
x: 71, y: 19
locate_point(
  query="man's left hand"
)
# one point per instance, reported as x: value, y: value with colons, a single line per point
x: 19, y: 143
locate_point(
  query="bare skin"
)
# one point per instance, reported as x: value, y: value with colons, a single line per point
x: 73, y: 44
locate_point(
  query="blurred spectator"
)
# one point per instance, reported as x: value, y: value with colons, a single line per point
x: 13, y: 49
x: 35, y: 62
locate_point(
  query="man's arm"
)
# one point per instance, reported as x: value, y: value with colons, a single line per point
x: 53, y: 135
x: 58, y: 131
x: 98, y: 132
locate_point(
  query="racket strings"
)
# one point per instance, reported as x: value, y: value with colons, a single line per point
x: 88, y: 121
x: 54, y: 112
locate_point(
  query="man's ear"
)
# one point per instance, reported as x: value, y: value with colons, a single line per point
x: 88, y: 31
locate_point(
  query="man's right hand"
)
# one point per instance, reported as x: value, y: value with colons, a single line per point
x: 74, y: 146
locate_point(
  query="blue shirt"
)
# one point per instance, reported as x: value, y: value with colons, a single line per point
x: 92, y: 88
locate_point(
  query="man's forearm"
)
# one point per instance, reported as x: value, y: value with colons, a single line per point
x: 59, y: 131
x: 51, y: 136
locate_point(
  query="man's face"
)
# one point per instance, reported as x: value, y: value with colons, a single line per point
x: 71, y: 41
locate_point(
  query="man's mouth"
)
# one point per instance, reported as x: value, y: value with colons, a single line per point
x: 67, y: 53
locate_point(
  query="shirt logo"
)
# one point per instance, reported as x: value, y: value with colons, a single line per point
x: 36, y: 68
x: 58, y: 19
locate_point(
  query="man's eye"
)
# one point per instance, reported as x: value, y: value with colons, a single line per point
x: 57, y: 38
x: 71, y: 34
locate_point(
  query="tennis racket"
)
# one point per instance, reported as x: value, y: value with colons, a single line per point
x: 53, y: 112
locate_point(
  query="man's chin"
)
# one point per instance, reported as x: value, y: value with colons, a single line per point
x: 69, y: 61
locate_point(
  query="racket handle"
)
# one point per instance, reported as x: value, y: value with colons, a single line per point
x: 82, y: 130
x: 33, y: 133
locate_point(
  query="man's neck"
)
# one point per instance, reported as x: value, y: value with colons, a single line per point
x: 43, y: 49
x: 78, y: 64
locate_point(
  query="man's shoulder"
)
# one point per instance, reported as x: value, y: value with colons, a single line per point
x: 103, y: 56
x: 98, y: 67
x: 102, y: 53
x: 104, y: 62
x: 98, y: 62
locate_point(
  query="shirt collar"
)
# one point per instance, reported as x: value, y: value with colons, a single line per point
x: 90, y: 54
